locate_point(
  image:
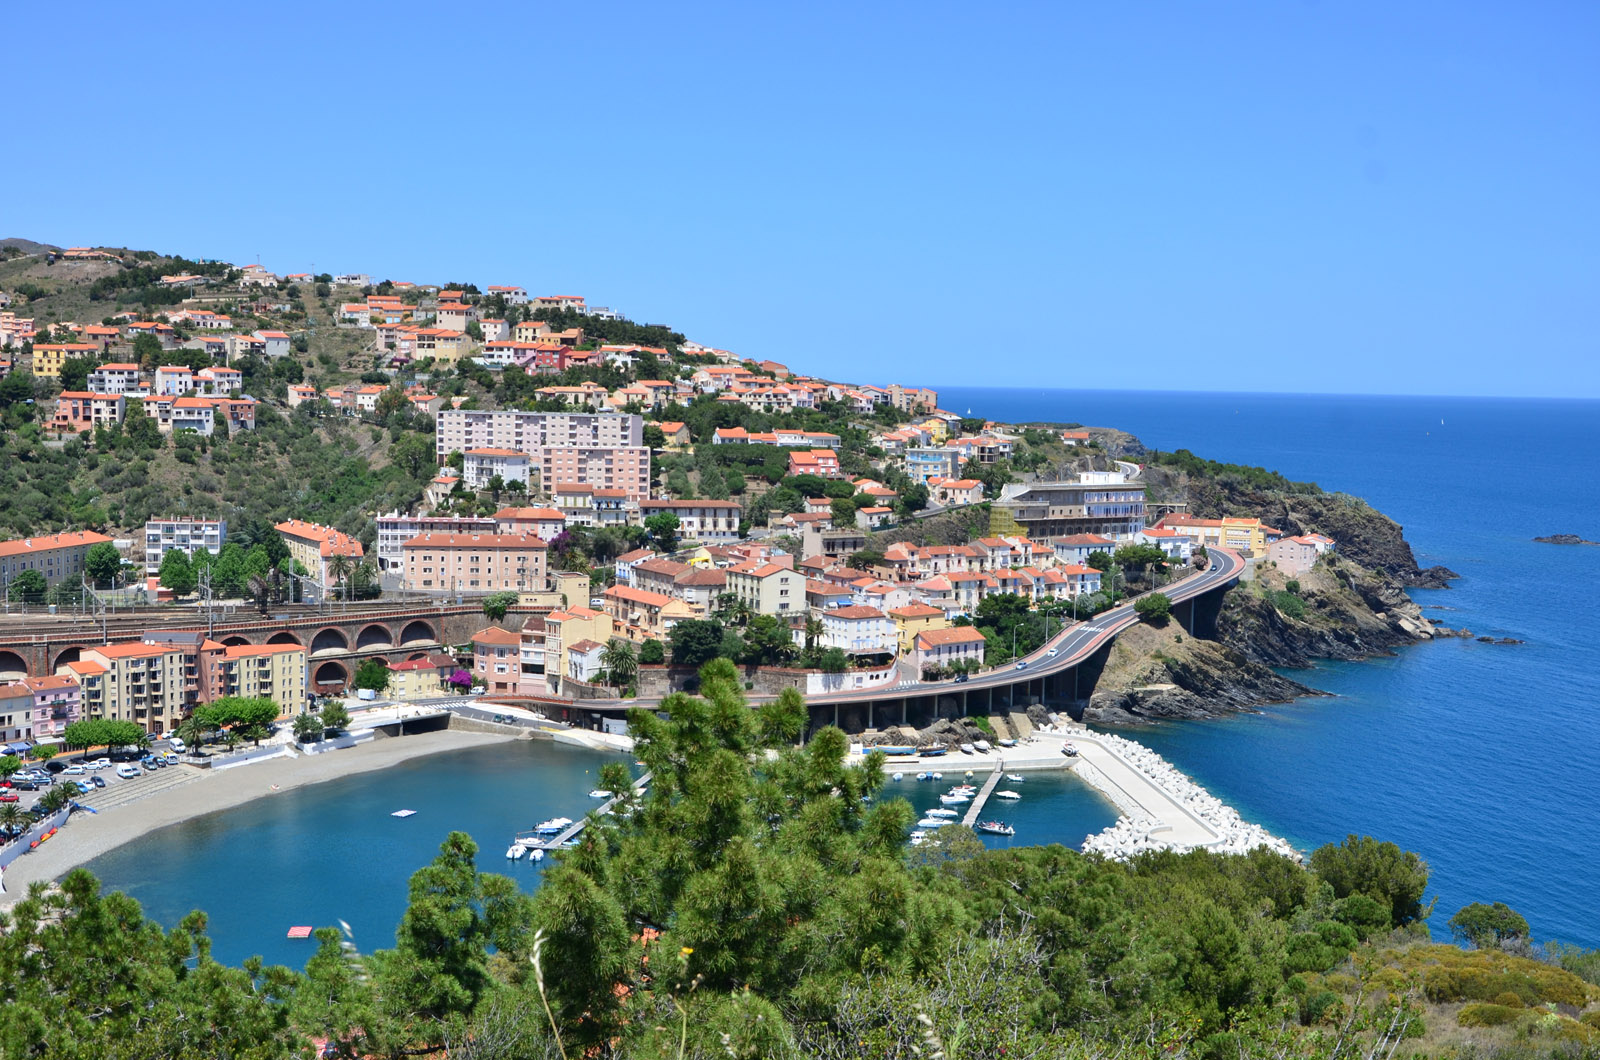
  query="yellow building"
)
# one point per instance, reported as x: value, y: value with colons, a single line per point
x: 48, y: 358
x: 1235, y: 532
x: 314, y: 547
x: 914, y: 619
x: 413, y: 679
x: 642, y: 615
x: 938, y: 430
x: 262, y: 671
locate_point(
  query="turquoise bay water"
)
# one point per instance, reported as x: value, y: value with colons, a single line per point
x: 1479, y: 757
x: 332, y: 851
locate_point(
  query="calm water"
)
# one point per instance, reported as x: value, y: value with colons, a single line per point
x: 1479, y: 757
x: 332, y: 851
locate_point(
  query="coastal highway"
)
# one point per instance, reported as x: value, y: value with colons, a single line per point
x: 1073, y: 645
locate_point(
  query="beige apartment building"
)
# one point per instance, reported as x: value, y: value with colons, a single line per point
x: 768, y: 588
x: 563, y: 629
x: 59, y: 557
x: 152, y: 685
x: 314, y: 547
x: 474, y: 563
x: 458, y: 430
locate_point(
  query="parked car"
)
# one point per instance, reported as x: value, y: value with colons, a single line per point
x: 23, y: 784
x: 84, y: 787
x: 177, y: 745
x: 75, y: 771
x: 9, y: 796
x: 170, y: 758
x: 98, y: 781
x: 127, y: 772
x: 100, y: 763
x: 148, y: 761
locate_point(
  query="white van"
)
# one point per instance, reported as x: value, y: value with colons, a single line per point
x: 128, y: 771
x: 177, y: 745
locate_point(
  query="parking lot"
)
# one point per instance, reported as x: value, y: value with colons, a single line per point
x: 116, y: 790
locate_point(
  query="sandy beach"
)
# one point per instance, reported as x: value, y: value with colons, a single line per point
x: 87, y: 836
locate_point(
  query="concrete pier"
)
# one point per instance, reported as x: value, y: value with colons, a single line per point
x: 983, y: 796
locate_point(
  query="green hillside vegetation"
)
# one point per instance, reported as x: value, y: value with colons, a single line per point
x: 759, y: 901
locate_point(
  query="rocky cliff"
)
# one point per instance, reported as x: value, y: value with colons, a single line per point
x: 1160, y: 672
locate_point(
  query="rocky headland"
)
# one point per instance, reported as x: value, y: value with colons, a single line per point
x: 1565, y: 539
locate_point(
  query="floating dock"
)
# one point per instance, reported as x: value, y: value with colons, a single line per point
x: 983, y: 796
x: 572, y: 830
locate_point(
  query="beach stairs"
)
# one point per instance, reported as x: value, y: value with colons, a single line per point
x: 129, y: 791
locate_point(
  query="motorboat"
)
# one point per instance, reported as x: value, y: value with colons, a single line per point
x: 1015, y: 778
x: 515, y: 851
x: 994, y: 828
x: 897, y: 776
x: 952, y: 800
x: 554, y: 826
x: 932, y: 822
x: 924, y: 776
x: 942, y: 812
x: 1070, y: 750
x: 968, y: 749
x: 1007, y: 743
x: 1007, y: 795
x: 600, y: 793
x: 982, y: 745
x: 932, y: 752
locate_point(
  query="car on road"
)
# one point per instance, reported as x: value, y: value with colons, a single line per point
x: 1053, y: 652
x: 98, y: 781
x: 75, y: 771
x: 962, y: 677
x: 1023, y: 665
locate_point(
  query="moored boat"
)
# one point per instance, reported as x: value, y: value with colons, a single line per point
x: 994, y: 828
x: 1007, y: 795
x: 1015, y: 778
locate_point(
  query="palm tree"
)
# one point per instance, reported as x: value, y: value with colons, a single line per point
x: 619, y: 660
x: 190, y: 731
x: 53, y: 800
x: 339, y: 567
x: 813, y: 631
x: 12, y: 818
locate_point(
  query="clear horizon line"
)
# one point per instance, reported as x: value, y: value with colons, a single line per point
x: 1266, y: 393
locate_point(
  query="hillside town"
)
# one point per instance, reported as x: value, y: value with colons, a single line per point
x: 627, y: 503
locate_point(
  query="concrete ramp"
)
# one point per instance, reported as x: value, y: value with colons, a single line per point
x: 1021, y: 727
x: 1002, y: 728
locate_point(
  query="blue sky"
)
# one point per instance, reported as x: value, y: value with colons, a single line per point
x: 1352, y: 197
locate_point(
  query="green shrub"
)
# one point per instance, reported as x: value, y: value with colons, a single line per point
x: 1484, y: 1014
x: 1288, y: 604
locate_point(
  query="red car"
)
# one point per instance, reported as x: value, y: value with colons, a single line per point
x: 9, y: 797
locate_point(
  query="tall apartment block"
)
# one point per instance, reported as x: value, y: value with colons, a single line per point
x: 186, y: 535
x: 605, y: 450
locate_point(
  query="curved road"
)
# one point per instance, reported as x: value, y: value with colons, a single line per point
x: 1073, y: 645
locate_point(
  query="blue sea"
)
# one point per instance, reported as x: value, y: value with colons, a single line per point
x: 1479, y: 757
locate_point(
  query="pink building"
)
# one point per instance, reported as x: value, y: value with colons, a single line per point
x: 57, y: 703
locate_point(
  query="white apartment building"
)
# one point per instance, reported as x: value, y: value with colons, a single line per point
x: 479, y: 466
x: 463, y: 429
x: 186, y: 535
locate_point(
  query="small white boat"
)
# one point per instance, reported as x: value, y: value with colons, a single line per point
x: 932, y: 822
x: 515, y: 851
x: 899, y: 776
x: 403, y: 813
x: 918, y: 840
x: 535, y: 854
x: 953, y: 800
x: 1015, y: 778
x: 1007, y: 795
x: 554, y: 826
x: 935, y: 776
x: 599, y: 793
x: 982, y: 745
x: 942, y: 812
